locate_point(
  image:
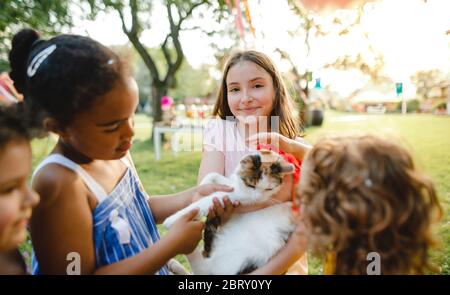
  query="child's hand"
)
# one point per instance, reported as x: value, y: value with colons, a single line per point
x: 207, y: 189
x: 270, y: 138
x: 186, y: 232
x: 297, y: 147
x: 223, y: 213
x: 298, y: 241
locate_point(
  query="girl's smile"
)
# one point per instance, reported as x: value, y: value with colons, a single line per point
x: 249, y: 111
x: 250, y: 90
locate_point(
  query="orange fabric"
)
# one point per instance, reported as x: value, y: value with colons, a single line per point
x: 249, y: 18
x: 300, y: 267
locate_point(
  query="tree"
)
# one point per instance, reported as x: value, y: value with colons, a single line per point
x: 189, y: 81
x: 139, y: 13
x: 426, y: 81
x: 370, y: 63
x: 301, y: 78
x: 46, y: 16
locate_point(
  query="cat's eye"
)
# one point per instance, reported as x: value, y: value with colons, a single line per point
x: 252, y: 186
x: 275, y: 168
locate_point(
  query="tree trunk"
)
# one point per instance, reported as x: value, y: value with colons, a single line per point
x: 158, y: 91
x: 303, y: 94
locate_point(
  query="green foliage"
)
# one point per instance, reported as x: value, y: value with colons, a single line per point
x: 191, y: 82
x: 425, y: 81
x: 140, y: 13
x: 46, y: 16
x: 412, y: 106
x: 440, y: 105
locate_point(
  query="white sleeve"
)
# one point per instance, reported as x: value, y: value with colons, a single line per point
x: 213, y: 135
x: 302, y: 140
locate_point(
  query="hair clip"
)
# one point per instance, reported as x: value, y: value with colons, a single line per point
x: 368, y: 182
x: 38, y: 59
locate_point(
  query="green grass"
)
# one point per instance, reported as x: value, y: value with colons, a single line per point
x: 426, y: 136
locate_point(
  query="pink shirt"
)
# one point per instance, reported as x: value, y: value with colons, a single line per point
x: 223, y: 136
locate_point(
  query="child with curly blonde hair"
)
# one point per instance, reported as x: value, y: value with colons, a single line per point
x: 363, y: 194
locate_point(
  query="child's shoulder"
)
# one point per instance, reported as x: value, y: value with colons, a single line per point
x: 53, y: 179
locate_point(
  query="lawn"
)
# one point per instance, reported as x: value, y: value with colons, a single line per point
x: 426, y: 136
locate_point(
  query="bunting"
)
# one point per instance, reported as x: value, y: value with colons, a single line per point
x: 235, y: 9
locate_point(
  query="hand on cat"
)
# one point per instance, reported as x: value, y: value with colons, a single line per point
x: 186, y: 232
x: 298, y: 241
x: 271, y: 138
x: 297, y: 147
x: 207, y: 189
x: 223, y: 212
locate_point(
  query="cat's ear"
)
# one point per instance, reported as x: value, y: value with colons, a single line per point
x: 287, y: 168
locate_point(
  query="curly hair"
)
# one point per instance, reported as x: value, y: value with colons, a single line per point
x: 16, y: 124
x: 70, y: 80
x: 363, y: 194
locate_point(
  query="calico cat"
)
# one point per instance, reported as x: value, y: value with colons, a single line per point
x: 247, y: 241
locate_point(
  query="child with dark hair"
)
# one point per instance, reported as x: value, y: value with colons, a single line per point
x: 92, y: 202
x: 17, y: 199
x: 363, y: 194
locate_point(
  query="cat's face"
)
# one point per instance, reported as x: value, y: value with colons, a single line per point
x: 263, y: 172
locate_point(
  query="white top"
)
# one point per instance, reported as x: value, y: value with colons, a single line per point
x: 96, y: 189
x: 223, y: 136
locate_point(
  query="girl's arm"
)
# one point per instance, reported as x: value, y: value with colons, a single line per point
x: 62, y: 224
x: 212, y: 161
x: 281, y: 262
x: 166, y: 205
x: 288, y: 255
x: 182, y: 238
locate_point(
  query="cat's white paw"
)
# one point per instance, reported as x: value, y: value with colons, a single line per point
x: 174, y: 217
x: 170, y: 220
x: 216, y: 178
x: 209, y: 178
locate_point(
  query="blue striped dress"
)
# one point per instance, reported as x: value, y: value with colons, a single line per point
x: 123, y: 224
